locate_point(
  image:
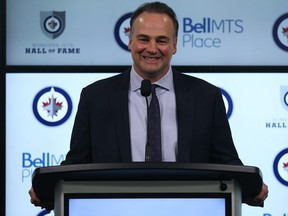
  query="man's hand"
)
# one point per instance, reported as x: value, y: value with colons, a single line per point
x: 37, y: 202
x: 260, y: 198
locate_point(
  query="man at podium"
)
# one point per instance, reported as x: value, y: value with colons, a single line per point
x: 115, y: 121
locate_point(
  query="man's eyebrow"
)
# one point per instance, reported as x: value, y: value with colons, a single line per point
x: 162, y: 37
x: 143, y: 35
x: 157, y: 37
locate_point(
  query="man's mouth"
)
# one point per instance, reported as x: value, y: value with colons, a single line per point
x: 151, y: 58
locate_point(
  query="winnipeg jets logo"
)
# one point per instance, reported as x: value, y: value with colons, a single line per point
x: 52, y: 23
x: 52, y: 106
x: 280, y: 166
x: 284, y: 96
x: 280, y: 32
x: 122, y: 31
x: 227, y: 102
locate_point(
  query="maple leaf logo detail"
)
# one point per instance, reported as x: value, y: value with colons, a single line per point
x: 285, y: 31
x: 285, y: 166
x: 52, y: 107
x: 127, y: 31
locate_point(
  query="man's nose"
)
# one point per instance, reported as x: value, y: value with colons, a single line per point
x: 152, y: 46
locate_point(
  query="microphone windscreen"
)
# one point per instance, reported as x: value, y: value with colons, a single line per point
x: 145, y: 88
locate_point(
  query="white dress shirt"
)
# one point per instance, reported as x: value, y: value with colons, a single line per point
x: 138, y: 117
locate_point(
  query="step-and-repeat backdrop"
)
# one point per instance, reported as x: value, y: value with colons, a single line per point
x: 70, y: 32
x: 40, y: 107
x: 40, y: 112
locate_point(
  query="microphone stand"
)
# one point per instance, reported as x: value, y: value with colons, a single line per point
x: 148, y: 148
x: 145, y: 92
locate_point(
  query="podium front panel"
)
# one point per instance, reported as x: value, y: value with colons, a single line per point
x: 87, y: 198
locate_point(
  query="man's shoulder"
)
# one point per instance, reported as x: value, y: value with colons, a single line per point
x: 192, y: 81
x: 110, y: 82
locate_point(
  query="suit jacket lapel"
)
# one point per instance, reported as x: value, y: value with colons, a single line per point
x: 119, y: 102
x: 184, y: 106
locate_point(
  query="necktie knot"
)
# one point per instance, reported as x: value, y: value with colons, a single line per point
x: 153, y: 88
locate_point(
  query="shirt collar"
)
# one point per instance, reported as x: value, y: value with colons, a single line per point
x: 165, y: 82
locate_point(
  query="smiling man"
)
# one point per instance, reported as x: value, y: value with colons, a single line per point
x: 152, y: 42
x: 111, y: 121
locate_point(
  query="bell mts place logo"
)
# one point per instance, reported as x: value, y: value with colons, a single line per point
x: 52, y: 106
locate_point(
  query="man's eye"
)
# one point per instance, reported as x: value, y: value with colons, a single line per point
x: 162, y: 41
x: 143, y: 39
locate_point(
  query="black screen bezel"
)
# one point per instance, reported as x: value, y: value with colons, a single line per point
x: 226, y: 196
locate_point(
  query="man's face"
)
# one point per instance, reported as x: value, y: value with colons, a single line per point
x: 152, y: 43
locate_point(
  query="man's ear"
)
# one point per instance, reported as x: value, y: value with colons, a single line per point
x: 174, y: 46
x: 129, y: 43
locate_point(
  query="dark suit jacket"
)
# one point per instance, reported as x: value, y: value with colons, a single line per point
x: 101, y: 131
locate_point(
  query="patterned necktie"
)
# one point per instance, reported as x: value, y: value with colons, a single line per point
x: 154, y: 127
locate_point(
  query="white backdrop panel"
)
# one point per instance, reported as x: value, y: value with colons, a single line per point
x: 258, y: 121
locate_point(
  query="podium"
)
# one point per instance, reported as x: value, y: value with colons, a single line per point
x: 145, y: 188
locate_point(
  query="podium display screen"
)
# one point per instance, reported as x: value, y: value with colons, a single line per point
x: 159, y: 204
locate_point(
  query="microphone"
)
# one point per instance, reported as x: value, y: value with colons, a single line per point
x: 145, y: 92
x: 145, y: 88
